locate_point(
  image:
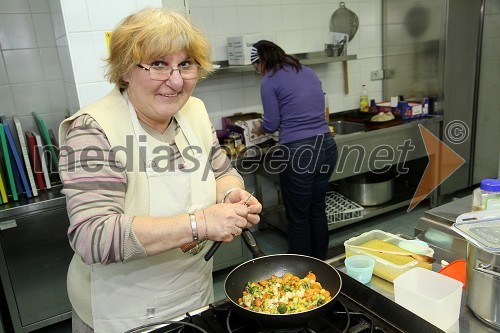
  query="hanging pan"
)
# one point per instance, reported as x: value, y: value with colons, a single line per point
x: 346, y: 22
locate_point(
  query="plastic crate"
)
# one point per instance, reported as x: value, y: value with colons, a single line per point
x: 340, y: 209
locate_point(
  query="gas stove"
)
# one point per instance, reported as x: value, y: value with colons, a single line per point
x: 220, y: 317
x: 357, y: 309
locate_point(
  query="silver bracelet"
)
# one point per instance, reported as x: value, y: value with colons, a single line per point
x: 228, y: 192
x: 194, y: 228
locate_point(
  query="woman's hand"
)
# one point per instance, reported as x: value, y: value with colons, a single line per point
x: 254, y: 206
x: 225, y: 221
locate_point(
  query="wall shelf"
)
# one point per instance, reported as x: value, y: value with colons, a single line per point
x: 312, y: 58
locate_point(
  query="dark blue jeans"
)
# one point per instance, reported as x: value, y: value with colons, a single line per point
x: 304, y: 182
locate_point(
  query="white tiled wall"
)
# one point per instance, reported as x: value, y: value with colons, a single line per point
x: 86, y: 22
x: 52, y: 52
x: 300, y: 26
x: 31, y: 78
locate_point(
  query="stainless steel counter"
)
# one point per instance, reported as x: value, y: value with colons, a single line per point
x: 357, y: 154
x: 448, y: 213
x: 391, y: 139
x: 447, y: 246
x: 34, y: 259
x: 467, y: 322
x: 442, y: 217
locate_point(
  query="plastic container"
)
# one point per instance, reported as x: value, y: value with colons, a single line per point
x: 456, y: 270
x: 415, y: 246
x: 487, y: 195
x: 387, y: 266
x: 364, y: 102
x: 480, y: 229
x: 360, y: 267
x: 430, y: 295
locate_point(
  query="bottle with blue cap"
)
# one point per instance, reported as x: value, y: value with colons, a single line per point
x: 487, y: 195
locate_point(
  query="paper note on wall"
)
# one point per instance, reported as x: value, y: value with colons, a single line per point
x: 107, y: 35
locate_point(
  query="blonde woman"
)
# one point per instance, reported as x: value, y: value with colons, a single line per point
x: 148, y: 188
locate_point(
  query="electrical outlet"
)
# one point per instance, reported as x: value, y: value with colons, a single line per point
x: 377, y: 75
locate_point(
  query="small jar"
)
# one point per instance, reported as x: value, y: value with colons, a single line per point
x: 236, y: 139
x: 487, y: 195
x: 229, y: 147
x: 229, y: 142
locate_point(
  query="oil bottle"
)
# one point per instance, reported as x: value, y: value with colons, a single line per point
x: 364, y: 103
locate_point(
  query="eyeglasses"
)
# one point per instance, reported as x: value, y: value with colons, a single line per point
x: 163, y: 73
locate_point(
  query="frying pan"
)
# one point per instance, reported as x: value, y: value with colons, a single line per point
x: 345, y: 21
x: 263, y: 267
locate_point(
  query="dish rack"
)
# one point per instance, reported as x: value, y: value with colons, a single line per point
x: 340, y: 209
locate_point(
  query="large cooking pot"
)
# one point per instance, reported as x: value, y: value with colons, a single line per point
x: 263, y: 267
x: 368, y: 189
x: 480, y: 229
x: 483, y: 284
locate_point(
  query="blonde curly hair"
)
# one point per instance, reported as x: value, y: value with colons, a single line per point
x: 153, y: 33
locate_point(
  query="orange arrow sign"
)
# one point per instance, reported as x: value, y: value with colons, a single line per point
x: 443, y: 161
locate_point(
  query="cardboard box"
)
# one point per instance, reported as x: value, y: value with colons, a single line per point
x: 228, y: 121
x: 382, y: 107
x: 403, y: 109
x: 239, y: 47
x: 243, y: 124
x: 410, y: 110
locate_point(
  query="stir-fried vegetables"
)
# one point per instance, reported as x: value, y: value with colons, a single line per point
x: 286, y: 294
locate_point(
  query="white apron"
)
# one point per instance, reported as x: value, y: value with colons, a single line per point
x: 128, y: 295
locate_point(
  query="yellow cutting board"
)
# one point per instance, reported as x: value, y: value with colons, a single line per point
x: 377, y: 244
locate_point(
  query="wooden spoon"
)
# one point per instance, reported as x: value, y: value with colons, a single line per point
x: 419, y: 257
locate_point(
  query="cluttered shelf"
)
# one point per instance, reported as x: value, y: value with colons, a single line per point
x: 311, y: 58
x: 342, y: 211
x: 28, y: 164
x: 46, y: 199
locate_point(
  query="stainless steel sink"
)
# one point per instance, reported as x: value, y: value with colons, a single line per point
x: 347, y: 127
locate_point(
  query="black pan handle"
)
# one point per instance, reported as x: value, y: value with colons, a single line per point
x: 249, y: 240
x: 212, y: 250
x: 252, y: 244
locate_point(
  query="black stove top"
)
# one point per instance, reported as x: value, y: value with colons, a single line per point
x: 358, y: 309
x: 342, y: 318
x: 220, y: 317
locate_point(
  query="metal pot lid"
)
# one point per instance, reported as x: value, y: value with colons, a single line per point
x: 480, y: 228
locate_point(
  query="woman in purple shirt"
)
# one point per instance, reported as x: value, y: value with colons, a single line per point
x: 294, y: 104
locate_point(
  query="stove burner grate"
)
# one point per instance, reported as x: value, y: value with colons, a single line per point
x: 190, y: 324
x: 339, y: 320
x: 233, y: 329
x: 345, y: 317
